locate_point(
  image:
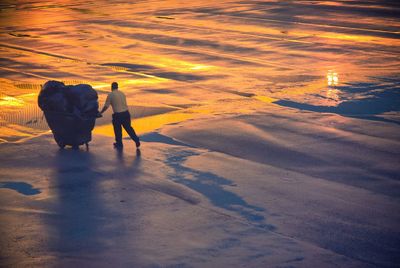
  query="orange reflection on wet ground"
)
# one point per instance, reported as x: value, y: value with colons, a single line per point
x: 147, y: 124
x: 196, y: 53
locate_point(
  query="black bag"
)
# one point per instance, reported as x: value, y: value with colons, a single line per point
x: 70, y: 111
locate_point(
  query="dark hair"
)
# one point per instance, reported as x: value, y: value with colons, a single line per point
x: 114, y: 85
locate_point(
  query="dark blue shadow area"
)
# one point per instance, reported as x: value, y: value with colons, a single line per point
x: 373, y: 100
x: 212, y: 187
x: 156, y: 137
x: 83, y: 219
x: 20, y: 187
x: 78, y: 227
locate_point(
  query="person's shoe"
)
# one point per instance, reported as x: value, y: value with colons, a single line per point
x: 137, y: 144
x: 118, y: 145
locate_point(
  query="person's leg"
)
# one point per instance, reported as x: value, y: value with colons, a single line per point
x: 126, y: 123
x: 116, y: 121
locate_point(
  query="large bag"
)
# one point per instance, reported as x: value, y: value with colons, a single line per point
x: 80, y: 100
x: 70, y: 112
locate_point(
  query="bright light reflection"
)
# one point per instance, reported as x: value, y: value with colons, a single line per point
x: 11, y: 101
x: 201, y: 67
x: 333, y: 78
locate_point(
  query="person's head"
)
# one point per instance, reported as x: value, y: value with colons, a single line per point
x: 114, y: 86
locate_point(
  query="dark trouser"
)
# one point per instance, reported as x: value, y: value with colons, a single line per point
x: 120, y: 120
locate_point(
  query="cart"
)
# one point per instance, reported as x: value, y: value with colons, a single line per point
x: 70, y: 129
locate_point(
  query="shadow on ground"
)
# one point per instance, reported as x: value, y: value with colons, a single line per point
x: 373, y: 101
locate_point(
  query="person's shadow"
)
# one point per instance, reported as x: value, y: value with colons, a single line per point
x: 84, y: 220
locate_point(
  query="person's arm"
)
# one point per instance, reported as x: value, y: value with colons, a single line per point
x: 106, y: 105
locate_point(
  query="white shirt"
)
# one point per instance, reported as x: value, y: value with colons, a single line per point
x: 117, y: 100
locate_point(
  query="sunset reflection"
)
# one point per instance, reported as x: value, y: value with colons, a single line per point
x: 10, y: 101
x: 333, y: 94
x: 332, y: 78
x: 186, y: 58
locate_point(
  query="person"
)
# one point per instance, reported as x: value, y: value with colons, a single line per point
x: 121, y: 116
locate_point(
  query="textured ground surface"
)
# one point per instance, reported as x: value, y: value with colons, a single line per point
x: 270, y: 135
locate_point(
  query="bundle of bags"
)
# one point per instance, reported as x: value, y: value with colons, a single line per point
x: 80, y: 100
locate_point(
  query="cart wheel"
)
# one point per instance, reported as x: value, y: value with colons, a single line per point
x: 61, y: 145
x: 87, y: 146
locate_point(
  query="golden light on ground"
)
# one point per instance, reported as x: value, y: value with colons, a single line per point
x: 147, y: 124
x: 138, y: 82
x: 17, y: 133
x: 333, y: 94
x: 11, y: 101
x: 265, y: 99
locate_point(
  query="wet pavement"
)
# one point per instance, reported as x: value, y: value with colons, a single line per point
x: 269, y: 128
x: 330, y: 55
x: 173, y: 205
